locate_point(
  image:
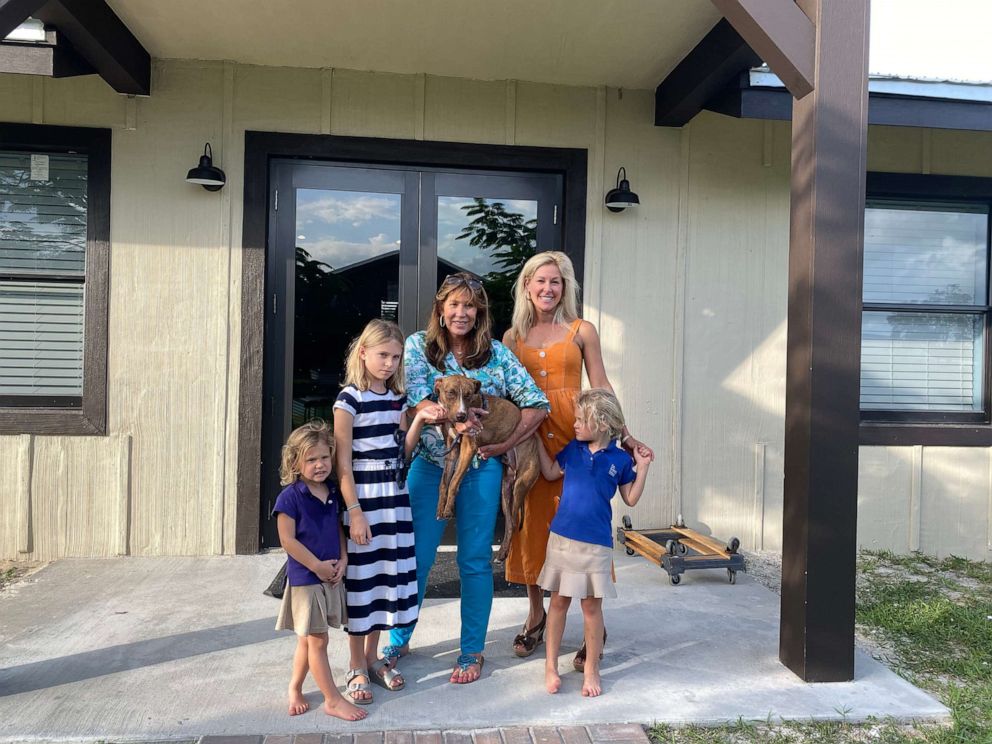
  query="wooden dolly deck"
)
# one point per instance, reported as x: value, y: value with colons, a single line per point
x: 678, y: 549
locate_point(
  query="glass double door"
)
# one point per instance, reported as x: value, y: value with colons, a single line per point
x: 347, y: 244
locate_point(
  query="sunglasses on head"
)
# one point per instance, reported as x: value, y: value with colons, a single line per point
x: 454, y: 279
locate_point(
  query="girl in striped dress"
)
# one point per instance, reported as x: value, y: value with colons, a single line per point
x: 372, y: 446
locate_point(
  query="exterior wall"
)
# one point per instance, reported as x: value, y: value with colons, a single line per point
x: 689, y: 294
x: 934, y: 499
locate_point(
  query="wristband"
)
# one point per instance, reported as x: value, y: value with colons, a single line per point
x: 624, y: 440
x: 356, y: 505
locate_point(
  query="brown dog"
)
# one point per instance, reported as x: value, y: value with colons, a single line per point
x: 521, y: 466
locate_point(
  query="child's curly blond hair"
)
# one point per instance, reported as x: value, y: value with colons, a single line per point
x: 298, y: 442
x: 599, y: 407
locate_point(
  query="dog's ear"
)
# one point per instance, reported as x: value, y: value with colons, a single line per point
x: 437, y: 385
x: 476, y: 387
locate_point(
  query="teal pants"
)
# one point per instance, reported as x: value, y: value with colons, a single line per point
x: 475, y: 521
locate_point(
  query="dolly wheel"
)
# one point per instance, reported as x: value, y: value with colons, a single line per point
x: 626, y: 522
x: 733, y: 545
x: 670, y: 547
x: 675, y: 579
x: 629, y: 551
x: 681, y: 548
x: 732, y: 575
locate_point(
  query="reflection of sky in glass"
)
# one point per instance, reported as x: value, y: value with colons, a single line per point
x: 917, y: 255
x: 451, y: 222
x: 342, y: 228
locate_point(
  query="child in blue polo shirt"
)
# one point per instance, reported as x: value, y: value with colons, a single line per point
x: 580, y: 547
x: 310, y: 532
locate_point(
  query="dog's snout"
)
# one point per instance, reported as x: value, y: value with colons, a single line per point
x: 461, y: 417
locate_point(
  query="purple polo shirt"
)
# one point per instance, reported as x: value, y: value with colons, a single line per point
x: 591, y: 480
x: 316, y: 527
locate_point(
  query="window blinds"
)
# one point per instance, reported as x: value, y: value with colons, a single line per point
x: 920, y: 255
x: 42, y: 269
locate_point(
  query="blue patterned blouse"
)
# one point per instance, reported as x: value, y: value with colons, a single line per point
x: 503, y: 376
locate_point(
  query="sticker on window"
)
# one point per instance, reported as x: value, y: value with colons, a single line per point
x: 39, y: 167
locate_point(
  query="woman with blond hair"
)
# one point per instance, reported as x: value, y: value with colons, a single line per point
x: 458, y: 341
x: 553, y: 343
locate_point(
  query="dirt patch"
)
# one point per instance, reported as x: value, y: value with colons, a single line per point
x: 13, y: 573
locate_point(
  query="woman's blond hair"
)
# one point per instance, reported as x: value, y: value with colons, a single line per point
x: 598, y: 407
x: 376, y: 333
x: 479, y: 339
x: 299, y: 441
x: 567, y: 311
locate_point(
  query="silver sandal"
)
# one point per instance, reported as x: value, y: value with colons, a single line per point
x: 354, y: 687
x: 388, y: 676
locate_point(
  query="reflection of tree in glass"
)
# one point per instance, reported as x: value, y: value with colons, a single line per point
x: 316, y: 330
x: 942, y: 326
x: 511, y: 240
x: 48, y: 217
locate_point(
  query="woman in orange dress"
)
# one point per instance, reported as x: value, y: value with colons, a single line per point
x: 553, y: 343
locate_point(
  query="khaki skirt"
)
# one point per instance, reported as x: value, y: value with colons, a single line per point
x: 312, y: 608
x: 577, y: 569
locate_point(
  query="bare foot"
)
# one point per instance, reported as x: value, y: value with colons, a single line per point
x: 341, y: 708
x: 591, y: 685
x: 297, y: 703
x: 552, y: 681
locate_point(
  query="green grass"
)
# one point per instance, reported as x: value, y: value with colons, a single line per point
x: 9, y: 575
x: 933, y: 619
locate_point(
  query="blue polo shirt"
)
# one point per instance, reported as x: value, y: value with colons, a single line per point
x: 591, y: 480
x: 316, y: 527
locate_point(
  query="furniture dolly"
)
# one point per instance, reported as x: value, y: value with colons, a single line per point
x: 678, y: 549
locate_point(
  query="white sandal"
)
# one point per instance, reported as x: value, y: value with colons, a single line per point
x: 354, y: 687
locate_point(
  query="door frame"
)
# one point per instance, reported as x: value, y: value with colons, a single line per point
x: 260, y: 149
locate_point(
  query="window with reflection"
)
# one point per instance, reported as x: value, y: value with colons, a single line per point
x: 347, y: 273
x: 490, y: 238
x: 43, y: 215
x: 925, y: 311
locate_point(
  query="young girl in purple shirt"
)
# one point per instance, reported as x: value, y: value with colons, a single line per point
x: 580, y: 547
x: 311, y: 534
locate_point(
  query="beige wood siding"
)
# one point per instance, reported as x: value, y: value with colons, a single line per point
x: 689, y: 294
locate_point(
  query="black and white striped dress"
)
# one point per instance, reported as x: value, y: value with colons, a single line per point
x: 381, y: 578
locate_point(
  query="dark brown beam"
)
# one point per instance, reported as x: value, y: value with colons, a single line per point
x: 103, y: 40
x: 883, y: 109
x: 823, y: 364
x: 780, y: 33
x: 56, y: 59
x: 705, y: 71
x: 14, y: 12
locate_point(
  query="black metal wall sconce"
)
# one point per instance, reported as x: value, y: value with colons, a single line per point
x: 621, y: 197
x: 206, y: 173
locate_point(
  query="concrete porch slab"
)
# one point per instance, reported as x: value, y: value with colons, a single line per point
x: 174, y: 648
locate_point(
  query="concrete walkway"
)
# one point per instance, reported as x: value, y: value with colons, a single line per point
x: 136, y: 649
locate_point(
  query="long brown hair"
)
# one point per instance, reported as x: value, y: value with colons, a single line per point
x: 479, y: 339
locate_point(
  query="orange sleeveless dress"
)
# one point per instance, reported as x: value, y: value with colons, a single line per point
x: 557, y: 370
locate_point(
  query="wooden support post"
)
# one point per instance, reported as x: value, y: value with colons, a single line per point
x: 829, y: 144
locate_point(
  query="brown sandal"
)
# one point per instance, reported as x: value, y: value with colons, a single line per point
x: 529, y: 639
x: 579, y: 662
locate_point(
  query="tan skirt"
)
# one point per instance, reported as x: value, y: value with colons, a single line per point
x: 312, y: 608
x: 577, y: 569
